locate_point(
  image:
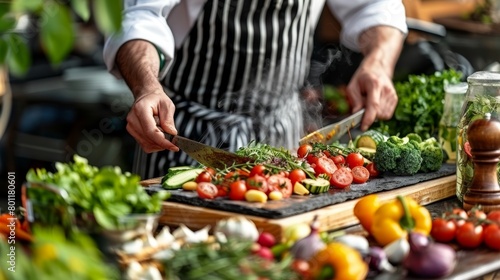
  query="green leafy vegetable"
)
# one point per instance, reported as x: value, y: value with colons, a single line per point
x: 420, y: 104
x: 95, y: 197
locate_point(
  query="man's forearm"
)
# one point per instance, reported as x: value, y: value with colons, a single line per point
x: 382, y: 45
x: 139, y: 64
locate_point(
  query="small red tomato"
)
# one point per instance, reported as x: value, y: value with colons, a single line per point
x: 258, y: 169
x: 302, y: 268
x: 494, y: 216
x: 492, y: 236
x: 325, y: 165
x: 206, y: 190
x: 443, y: 230
x: 354, y: 159
x: 341, y: 178
x: 297, y: 175
x: 338, y: 159
x: 476, y: 213
x: 280, y: 183
x: 211, y: 171
x: 469, y: 235
x: 360, y: 174
x: 257, y: 182
x: 237, y: 190
x: 204, y: 176
x: 458, y: 215
x: 304, y: 150
x: 374, y: 172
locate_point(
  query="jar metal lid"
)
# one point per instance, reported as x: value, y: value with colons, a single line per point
x: 484, y: 77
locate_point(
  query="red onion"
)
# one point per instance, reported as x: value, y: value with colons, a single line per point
x: 307, y: 247
x: 427, y: 258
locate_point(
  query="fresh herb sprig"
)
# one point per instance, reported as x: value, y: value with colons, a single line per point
x: 279, y: 159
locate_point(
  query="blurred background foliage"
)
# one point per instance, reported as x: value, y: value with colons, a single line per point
x: 54, y: 21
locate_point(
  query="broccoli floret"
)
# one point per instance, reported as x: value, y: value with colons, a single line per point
x: 432, y: 155
x: 400, y: 156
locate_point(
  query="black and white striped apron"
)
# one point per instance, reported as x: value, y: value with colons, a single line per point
x: 237, y: 76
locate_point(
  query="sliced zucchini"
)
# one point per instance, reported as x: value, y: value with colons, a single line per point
x: 174, y: 170
x: 316, y: 186
x: 175, y: 181
x: 369, y: 139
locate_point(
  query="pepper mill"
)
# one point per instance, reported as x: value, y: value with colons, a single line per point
x: 484, y: 139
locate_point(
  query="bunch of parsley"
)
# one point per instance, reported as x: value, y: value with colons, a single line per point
x: 420, y: 105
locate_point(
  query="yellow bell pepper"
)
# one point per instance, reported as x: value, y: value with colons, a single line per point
x: 338, y: 262
x: 394, y: 219
x: 365, y: 209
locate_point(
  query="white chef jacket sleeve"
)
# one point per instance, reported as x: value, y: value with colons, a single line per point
x: 146, y: 20
x: 357, y: 16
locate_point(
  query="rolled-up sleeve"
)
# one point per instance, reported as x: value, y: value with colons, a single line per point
x: 144, y: 20
x: 357, y: 16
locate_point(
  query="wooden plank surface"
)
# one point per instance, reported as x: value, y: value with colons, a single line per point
x: 330, y: 217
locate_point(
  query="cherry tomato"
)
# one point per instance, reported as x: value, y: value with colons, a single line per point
x: 469, y: 235
x: 492, y: 236
x: 280, y: 183
x: 341, y: 178
x: 304, y: 150
x: 476, y: 213
x: 354, y: 159
x: 258, y: 169
x: 360, y: 174
x: 257, y: 182
x: 494, y: 216
x: 297, y: 175
x: 222, y: 190
x: 338, y: 159
x: 211, y: 171
x: 237, y: 175
x: 467, y: 149
x: 204, y: 176
x: 206, y: 190
x: 457, y: 215
x: 374, y: 172
x: 302, y: 268
x: 443, y: 230
x: 237, y: 190
x: 325, y: 166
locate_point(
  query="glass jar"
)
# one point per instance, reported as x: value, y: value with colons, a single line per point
x: 453, y: 101
x: 483, y: 96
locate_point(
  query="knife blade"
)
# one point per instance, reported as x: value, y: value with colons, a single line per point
x: 333, y: 132
x: 206, y: 154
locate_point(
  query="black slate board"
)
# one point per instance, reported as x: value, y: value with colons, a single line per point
x: 301, y: 204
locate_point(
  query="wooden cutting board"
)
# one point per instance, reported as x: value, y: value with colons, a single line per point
x: 334, y: 209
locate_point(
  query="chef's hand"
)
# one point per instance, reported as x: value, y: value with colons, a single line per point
x: 153, y: 111
x: 150, y: 114
x: 371, y: 86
